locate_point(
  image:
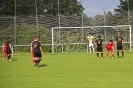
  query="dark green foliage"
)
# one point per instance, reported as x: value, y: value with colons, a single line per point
x: 125, y: 5
x: 26, y: 7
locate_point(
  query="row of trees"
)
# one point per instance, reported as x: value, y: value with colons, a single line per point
x: 25, y: 7
x: 125, y: 5
x: 50, y: 7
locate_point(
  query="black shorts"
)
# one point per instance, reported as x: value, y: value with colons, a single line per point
x: 99, y: 49
x: 37, y: 53
x: 9, y: 51
x: 119, y: 47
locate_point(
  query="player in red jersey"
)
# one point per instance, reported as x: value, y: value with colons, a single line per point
x: 4, y: 51
x: 110, y: 47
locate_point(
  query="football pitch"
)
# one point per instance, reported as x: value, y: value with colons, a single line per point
x: 73, y: 70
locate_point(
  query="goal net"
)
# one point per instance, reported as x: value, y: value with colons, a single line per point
x: 73, y: 39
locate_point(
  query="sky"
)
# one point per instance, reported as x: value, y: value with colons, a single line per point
x: 93, y: 7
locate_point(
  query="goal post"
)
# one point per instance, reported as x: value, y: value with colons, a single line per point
x: 65, y: 39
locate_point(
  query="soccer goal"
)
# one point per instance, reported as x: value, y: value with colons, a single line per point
x: 72, y: 39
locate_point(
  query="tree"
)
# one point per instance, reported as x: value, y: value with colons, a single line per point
x: 65, y: 7
x: 26, y: 7
x: 110, y: 19
x: 124, y: 11
x: 125, y: 5
x: 6, y: 7
x: 99, y: 19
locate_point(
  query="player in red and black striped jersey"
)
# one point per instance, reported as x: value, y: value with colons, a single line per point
x: 110, y: 47
x: 36, y: 51
x: 9, y: 49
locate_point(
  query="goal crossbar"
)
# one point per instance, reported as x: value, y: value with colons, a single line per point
x: 91, y: 27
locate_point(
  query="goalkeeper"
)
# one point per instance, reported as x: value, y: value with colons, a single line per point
x: 90, y: 39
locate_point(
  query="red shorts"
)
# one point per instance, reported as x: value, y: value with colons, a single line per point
x: 109, y: 48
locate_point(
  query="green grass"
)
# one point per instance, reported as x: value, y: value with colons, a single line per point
x: 74, y: 70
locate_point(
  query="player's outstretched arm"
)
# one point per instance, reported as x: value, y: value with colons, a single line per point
x: 94, y: 37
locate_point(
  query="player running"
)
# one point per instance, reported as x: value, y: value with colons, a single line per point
x: 99, y: 46
x: 110, y: 47
x: 36, y: 51
x: 9, y: 49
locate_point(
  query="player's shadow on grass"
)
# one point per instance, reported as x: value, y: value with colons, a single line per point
x: 14, y: 59
x: 120, y: 57
x: 43, y: 65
